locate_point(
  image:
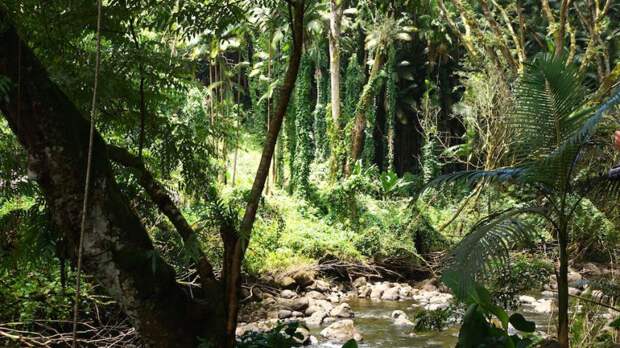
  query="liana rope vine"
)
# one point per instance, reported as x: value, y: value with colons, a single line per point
x: 91, y: 136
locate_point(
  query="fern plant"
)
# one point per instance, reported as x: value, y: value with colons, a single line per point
x: 551, y: 125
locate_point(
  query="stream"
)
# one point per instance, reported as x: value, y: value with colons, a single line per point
x: 372, y: 319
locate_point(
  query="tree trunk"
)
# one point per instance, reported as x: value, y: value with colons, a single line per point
x: 117, y: 248
x: 562, y: 278
x: 337, y: 148
x: 233, y: 260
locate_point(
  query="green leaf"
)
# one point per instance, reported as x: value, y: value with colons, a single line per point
x: 520, y: 323
x: 483, y: 298
x: 615, y: 324
x: 350, y: 344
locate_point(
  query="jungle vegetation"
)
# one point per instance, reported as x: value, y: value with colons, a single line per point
x: 153, y: 148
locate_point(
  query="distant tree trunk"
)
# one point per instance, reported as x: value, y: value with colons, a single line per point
x: 359, y: 127
x: 117, y: 248
x: 335, y: 18
x: 232, y: 264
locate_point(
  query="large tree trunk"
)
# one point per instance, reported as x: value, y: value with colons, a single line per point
x: 117, y: 248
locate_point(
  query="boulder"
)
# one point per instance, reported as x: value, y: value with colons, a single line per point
x: 284, y: 313
x: 427, y: 285
x: 591, y: 269
x: 305, y: 336
x: 391, y: 294
x: 342, y: 310
x: 315, y: 295
x: 573, y: 277
x: 286, y: 282
x: 304, y: 278
x: 341, y: 331
x: 378, y: 289
x: 405, y: 292
x: 527, y: 299
x: 399, y: 318
x: 319, y: 285
x: 297, y: 304
x: 364, y: 291
x: 359, y: 282
x: 288, y: 293
x: 315, y: 319
x: 319, y: 305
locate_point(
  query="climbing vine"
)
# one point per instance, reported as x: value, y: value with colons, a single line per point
x: 390, y: 104
x: 304, y: 152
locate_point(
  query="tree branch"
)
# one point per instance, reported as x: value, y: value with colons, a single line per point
x: 160, y: 196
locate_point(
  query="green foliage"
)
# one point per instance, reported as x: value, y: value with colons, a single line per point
x: 478, y: 329
x: 282, y: 336
x: 523, y: 273
x: 548, y: 124
x: 435, y: 320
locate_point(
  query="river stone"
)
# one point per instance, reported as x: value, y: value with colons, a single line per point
x: 315, y: 295
x: 296, y: 314
x: 364, y: 291
x: 315, y: 319
x: 284, y: 313
x: 286, y: 282
x: 391, y: 294
x: 341, y: 331
x: 378, y: 289
x: 527, y: 299
x: 304, y: 278
x: 288, y: 294
x: 360, y: 281
x: 573, y: 276
x: 428, y: 285
x: 543, y: 306
x: 328, y: 320
x: 305, y: 335
x: 342, y: 310
x: 400, y: 318
x: 297, y: 304
x: 574, y: 291
x: 405, y: 292
x: 319, y: 285
x: 591, y: 269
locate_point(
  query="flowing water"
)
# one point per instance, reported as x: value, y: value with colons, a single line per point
x: 373, y: 321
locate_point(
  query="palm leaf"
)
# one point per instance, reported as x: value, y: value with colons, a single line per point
x: 547, y: 96
x: 489, y: 240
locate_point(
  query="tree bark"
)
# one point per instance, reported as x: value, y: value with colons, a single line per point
x: 232, y: 265
x: 117, y: 248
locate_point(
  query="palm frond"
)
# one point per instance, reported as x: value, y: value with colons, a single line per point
x: 489, y: 240
x: 548, y: 94
x: 603, y: 191
x: 518, y: 175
